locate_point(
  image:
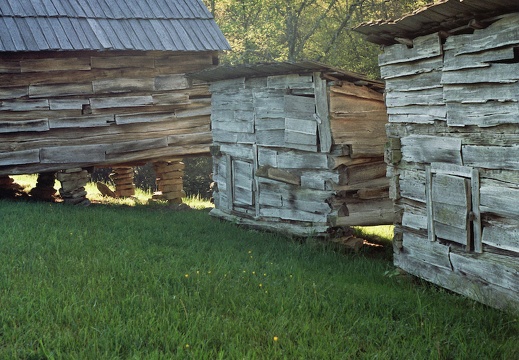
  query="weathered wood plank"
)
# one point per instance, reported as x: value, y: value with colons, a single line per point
x: 424, y: 47
x: 126, y: 61
x: 290, y: 81
x: 502, y: 236
x: 68, y: 104
x: 481, y: 93
x: 121, y: 102
x: 476, y: 212
x: 54, y: 64
x: 486, y: 114
x: 491, y: 157
x: 89, y: 154
x: 350, y: 89
x: 237, y: 151
x: 502, y: 33
x: 123, y: 85
x: 14, y: 92
x: 411, y: 68
x: 24, y: 125
x: 493, y: 269
x: 497, y: 198
x: 427, y: 97
x: 130, y: 146
x: 464, y: 284
x: 429, y: 149
x: 299, y: 107
x: 414, y: 221
x: 429, y: 252
x: 495, y: 73
x: 234, y: 126
x: 171, y: 82
x: 20, y: 157
x: 40, y: 91
x: 417, y: 82
x: 204, y: 137
x: 81, y: 122
x: 453, y: 61
x: 451, y: 190
x: 24, y: 105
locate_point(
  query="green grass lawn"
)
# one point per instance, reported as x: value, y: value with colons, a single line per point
x: 146, y: 282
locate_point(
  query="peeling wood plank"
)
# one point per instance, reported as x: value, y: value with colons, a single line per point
x: 499, y: 199
x: 502, y: 236
x: 322, y: 113
x: 495, y: 73
x: 411, y: 68
x: 424, y: 47
x: 68, y: 104
x: 14, y: 92
x: 144, y: 118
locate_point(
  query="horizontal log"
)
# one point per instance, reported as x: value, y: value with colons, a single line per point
x: 428, y: 149
x: 19, y: 157
x: 81, y: 122
x: 363, y: 92
x: 74, y: 89
x: 424, y: 47
x: 24, y: 125
x: 121, y: 102
x: 432, y: 253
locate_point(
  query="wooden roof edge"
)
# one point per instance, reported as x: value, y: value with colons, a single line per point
x: 227, y: 72
x: 448, y: 15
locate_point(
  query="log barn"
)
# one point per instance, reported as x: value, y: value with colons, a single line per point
x: 298, y: 147
x: 102, y: 83
x: 451, y: 72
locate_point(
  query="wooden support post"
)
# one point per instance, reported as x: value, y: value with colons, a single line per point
x: 169, y: 181
x: 73, y: 183
x: 123, y: 180
x: 44, y: 189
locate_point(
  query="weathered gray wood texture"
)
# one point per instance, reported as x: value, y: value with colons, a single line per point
x: 453, y: 157
x: 62, y: 110
x: 300, y: 151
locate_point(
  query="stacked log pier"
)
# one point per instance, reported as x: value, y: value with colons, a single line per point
x: 123, y: 180
x: 73, y: 183
x: 169, y: 181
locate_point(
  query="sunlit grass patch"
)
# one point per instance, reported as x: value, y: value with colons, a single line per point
x: 120, y: 282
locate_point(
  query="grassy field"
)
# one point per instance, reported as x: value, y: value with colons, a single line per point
x: 146, y: 282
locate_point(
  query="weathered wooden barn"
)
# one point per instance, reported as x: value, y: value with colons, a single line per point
x: 298, y: 147
x: 451, y: 72
x: 102, y: 83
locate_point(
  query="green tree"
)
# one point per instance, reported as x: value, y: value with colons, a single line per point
x: 278, y: 30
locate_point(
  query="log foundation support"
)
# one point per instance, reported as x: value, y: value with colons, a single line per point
x: 44, y: 189
x: 123, y: 180
x: 169, y: 181
x: 73, y: 183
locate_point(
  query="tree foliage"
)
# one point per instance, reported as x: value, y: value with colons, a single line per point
x: 278, y: 30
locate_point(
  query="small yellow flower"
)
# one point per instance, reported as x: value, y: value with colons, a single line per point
x: 264, y: 274
x: 250, y: 251
x: 187, y: 346
x: 260, y: 285
x: 186, y: 276
x: 276, y: 338
x: 254, y: 273
x: 198, y: 272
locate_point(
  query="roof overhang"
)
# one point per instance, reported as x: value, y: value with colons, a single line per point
x: 449, y: 16
x: 225, y: 72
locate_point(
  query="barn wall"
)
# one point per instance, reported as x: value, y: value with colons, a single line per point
x: 63, y: 110
x: 287, y: 153
x: 452, y: 155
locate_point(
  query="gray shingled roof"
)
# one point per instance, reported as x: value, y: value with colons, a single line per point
x: 446, y: 15
x: 172, y: 25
